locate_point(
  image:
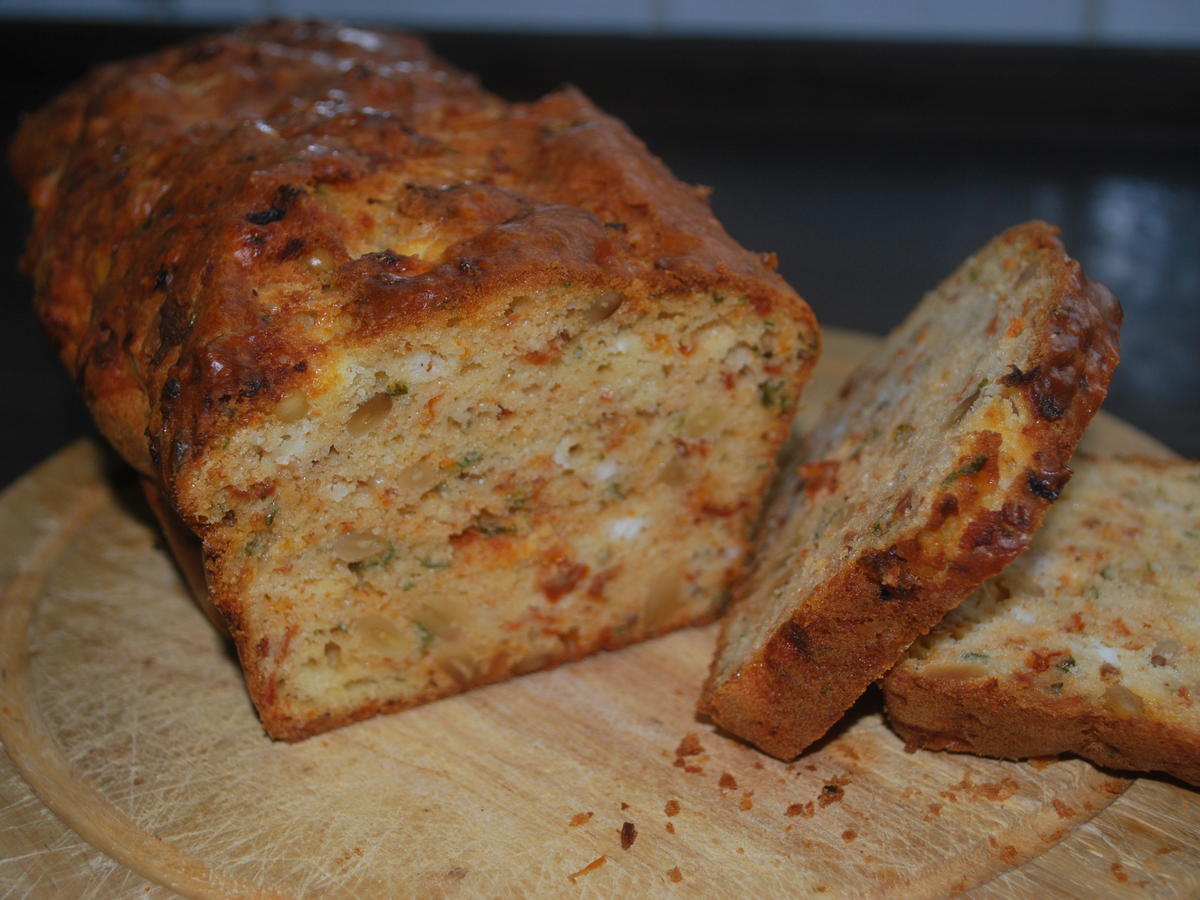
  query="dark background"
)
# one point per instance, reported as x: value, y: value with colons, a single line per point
x: 872, y: 169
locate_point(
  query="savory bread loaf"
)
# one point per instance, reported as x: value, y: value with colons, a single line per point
x: 1088, y: 643
x: 450, y: 389
x: 928, y: 472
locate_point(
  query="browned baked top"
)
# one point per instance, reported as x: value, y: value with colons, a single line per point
x: 209, y: 218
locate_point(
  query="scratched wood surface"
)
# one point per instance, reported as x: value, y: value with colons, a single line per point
x: 135, y: 765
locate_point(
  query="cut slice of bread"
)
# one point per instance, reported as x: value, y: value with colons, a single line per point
x: 927, y: 474
x: 1089, y: 643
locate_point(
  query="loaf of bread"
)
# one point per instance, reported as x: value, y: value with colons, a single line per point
x: 1088, y: 643
x: 450, y: 389
x: 929, y: 472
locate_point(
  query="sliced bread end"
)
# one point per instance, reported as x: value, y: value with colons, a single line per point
x: 1089, y: 643
x: 928, y: 473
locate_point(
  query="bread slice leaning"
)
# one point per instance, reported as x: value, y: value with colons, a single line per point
x: 928, y: 473
x: 1088, y: 643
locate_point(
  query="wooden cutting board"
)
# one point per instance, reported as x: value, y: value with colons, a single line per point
x: 138, y: 767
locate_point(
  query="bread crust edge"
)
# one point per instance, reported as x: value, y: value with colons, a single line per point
x: 989, y: 718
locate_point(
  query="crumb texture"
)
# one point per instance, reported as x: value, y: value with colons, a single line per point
x: 1087, y: 643
x: 451, y: 389
x: 928, y: 473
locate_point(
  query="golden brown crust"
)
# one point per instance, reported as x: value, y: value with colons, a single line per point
x: 220, y: 225
x: 174, y: 193
x: 1006, y: 720
x: 858, y: 622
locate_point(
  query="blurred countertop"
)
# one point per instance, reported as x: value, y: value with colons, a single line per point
x: 871, y: 169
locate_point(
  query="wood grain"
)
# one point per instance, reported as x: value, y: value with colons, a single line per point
x: 136, y: 766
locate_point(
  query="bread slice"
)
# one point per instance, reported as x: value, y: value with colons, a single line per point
x: 1088, y: 643
x: 927, y: 474
x: 450, y: 389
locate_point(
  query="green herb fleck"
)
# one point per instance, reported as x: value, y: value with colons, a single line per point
x: 516, y: 501
x: 397, y: 389
x: 489, y: 527
x: 772, y: 395
x: 468, y: 459
x: 1065, y: 665
x: 269, y: 518
x: 975, y: 656
x: 379, y: 559
x: 969, y: 469
x: 408, y: 585
x: 824, y: 523
x: 424, y: 637
x: 718, y: 298
x: 615, y: 490
x: 434, y: 564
